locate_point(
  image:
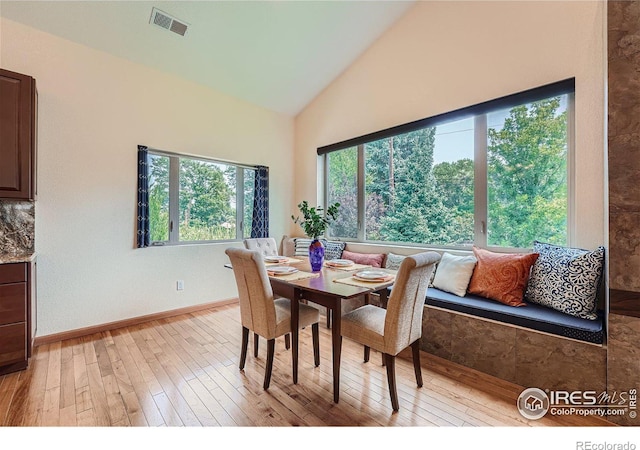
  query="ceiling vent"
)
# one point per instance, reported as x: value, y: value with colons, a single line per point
x: 167, y: 22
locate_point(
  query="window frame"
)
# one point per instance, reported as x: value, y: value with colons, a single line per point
x: 479, y: 112
x: 174, y: 197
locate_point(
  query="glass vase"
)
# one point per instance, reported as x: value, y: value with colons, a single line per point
x: 316, y: 255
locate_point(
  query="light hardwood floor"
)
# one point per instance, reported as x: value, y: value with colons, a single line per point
x: 183, y: 371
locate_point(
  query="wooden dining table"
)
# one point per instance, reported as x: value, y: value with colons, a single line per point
x: 324, y: 290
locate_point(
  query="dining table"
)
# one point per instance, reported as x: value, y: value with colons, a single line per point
x: 329, y: 287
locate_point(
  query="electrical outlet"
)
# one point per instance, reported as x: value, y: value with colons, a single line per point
x: 180, y: 285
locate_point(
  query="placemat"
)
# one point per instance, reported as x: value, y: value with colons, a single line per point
x: 348, y: 268
x: 289, y: 260
x: 366, y: 284
x: 300, y: 275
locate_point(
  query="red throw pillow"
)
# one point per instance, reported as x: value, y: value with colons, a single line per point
x: 501, y: 276
x: 370, y: 259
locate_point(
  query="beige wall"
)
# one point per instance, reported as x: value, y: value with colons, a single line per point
x: 94, y: 109
x: 442, y: 56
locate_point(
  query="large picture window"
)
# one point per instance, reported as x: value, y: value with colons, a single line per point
x: 196, y: 199
x: 492, y: 175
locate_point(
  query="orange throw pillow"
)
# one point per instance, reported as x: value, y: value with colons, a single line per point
x: 501, y: 276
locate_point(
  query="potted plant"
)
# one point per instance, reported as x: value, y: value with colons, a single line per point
x: 315, y: 223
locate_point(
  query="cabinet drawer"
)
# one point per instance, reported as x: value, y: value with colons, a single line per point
x: 13, y: 273
x: 13, y: 303
x: 13, y: 347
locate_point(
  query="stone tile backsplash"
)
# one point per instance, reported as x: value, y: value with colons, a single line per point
x: 17, y: 227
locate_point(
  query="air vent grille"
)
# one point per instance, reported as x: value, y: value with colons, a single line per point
x: 167, y: 22
x: 178, y: 27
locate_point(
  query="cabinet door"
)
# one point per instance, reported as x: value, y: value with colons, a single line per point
x: 13, y: 344
x: 17, y: 135
x: 13, y: 303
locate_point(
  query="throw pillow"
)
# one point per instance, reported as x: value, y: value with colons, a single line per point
x: 501, y: 276
x: 333, y: 249
x: 566, y: 279
x: 454, y: 273
x: 433, y: 274
x: 370, y: 259
x: 302, y: 246
x: 393, y: 261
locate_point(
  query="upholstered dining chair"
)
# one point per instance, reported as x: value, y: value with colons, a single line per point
x: 266, y: 246
x: 263, y: 314
x: 399, y: 326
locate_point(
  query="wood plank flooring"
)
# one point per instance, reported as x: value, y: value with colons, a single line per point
x: 183, y: 372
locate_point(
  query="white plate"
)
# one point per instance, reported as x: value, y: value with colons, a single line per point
x: 275, y: 259
x: 369, y: 280
x: 340, y: 262
x: 282, y: 270
x: 371, y: 274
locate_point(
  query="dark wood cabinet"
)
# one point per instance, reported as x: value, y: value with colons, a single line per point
x: 18, y: 135
x: 17, y: 315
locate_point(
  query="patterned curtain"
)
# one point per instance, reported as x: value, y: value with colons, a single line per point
x: 260, y: 216
x: 143, y: 197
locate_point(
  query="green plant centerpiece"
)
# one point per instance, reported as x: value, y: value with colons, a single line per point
x: 315, y: 223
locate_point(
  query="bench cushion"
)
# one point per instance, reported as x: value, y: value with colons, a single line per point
x: 531, y: 316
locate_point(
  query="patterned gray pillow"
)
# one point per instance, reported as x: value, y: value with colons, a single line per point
x: 566, y: 279
x: 393, y: 261
x: 333, y: 249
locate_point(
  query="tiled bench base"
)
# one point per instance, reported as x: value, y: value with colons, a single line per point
x: 527, y: 358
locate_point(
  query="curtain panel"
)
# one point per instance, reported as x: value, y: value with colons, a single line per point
x: 143, y: 197
x: 260, y: 216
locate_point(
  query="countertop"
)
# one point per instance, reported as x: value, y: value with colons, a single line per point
x: 11, y: 258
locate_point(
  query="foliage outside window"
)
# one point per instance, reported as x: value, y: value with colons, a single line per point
x: 490, y: 177
x: 193, y: 199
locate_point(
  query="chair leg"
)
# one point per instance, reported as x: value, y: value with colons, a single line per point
x: 415, y: 350
x: 255, y: 344
x: 245, y: 344
x: 391, y: 377
x: 287, y: 341
x: 315, y: 331
x: 271, y: 346
x: 367, y: 353
x: 383, y: 364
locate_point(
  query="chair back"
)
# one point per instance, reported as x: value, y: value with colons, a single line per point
x: 266, y: 246
x: 403, y: 323
x: 257, y: 310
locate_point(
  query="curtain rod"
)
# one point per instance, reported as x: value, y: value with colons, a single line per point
x: 202, y: 158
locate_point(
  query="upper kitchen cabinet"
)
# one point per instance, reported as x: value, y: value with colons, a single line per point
x: 18, y: 136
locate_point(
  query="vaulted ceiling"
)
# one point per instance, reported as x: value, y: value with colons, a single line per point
x: 275, y: 54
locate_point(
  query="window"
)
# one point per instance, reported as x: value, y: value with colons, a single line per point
x: 493, y: 174
x: 196, y: 199
x: 343, y: 188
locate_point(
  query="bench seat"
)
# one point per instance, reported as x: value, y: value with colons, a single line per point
x: 536, y: 317
x: 532, y: 316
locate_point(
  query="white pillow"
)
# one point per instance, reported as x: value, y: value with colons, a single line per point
x: 454, y: 273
